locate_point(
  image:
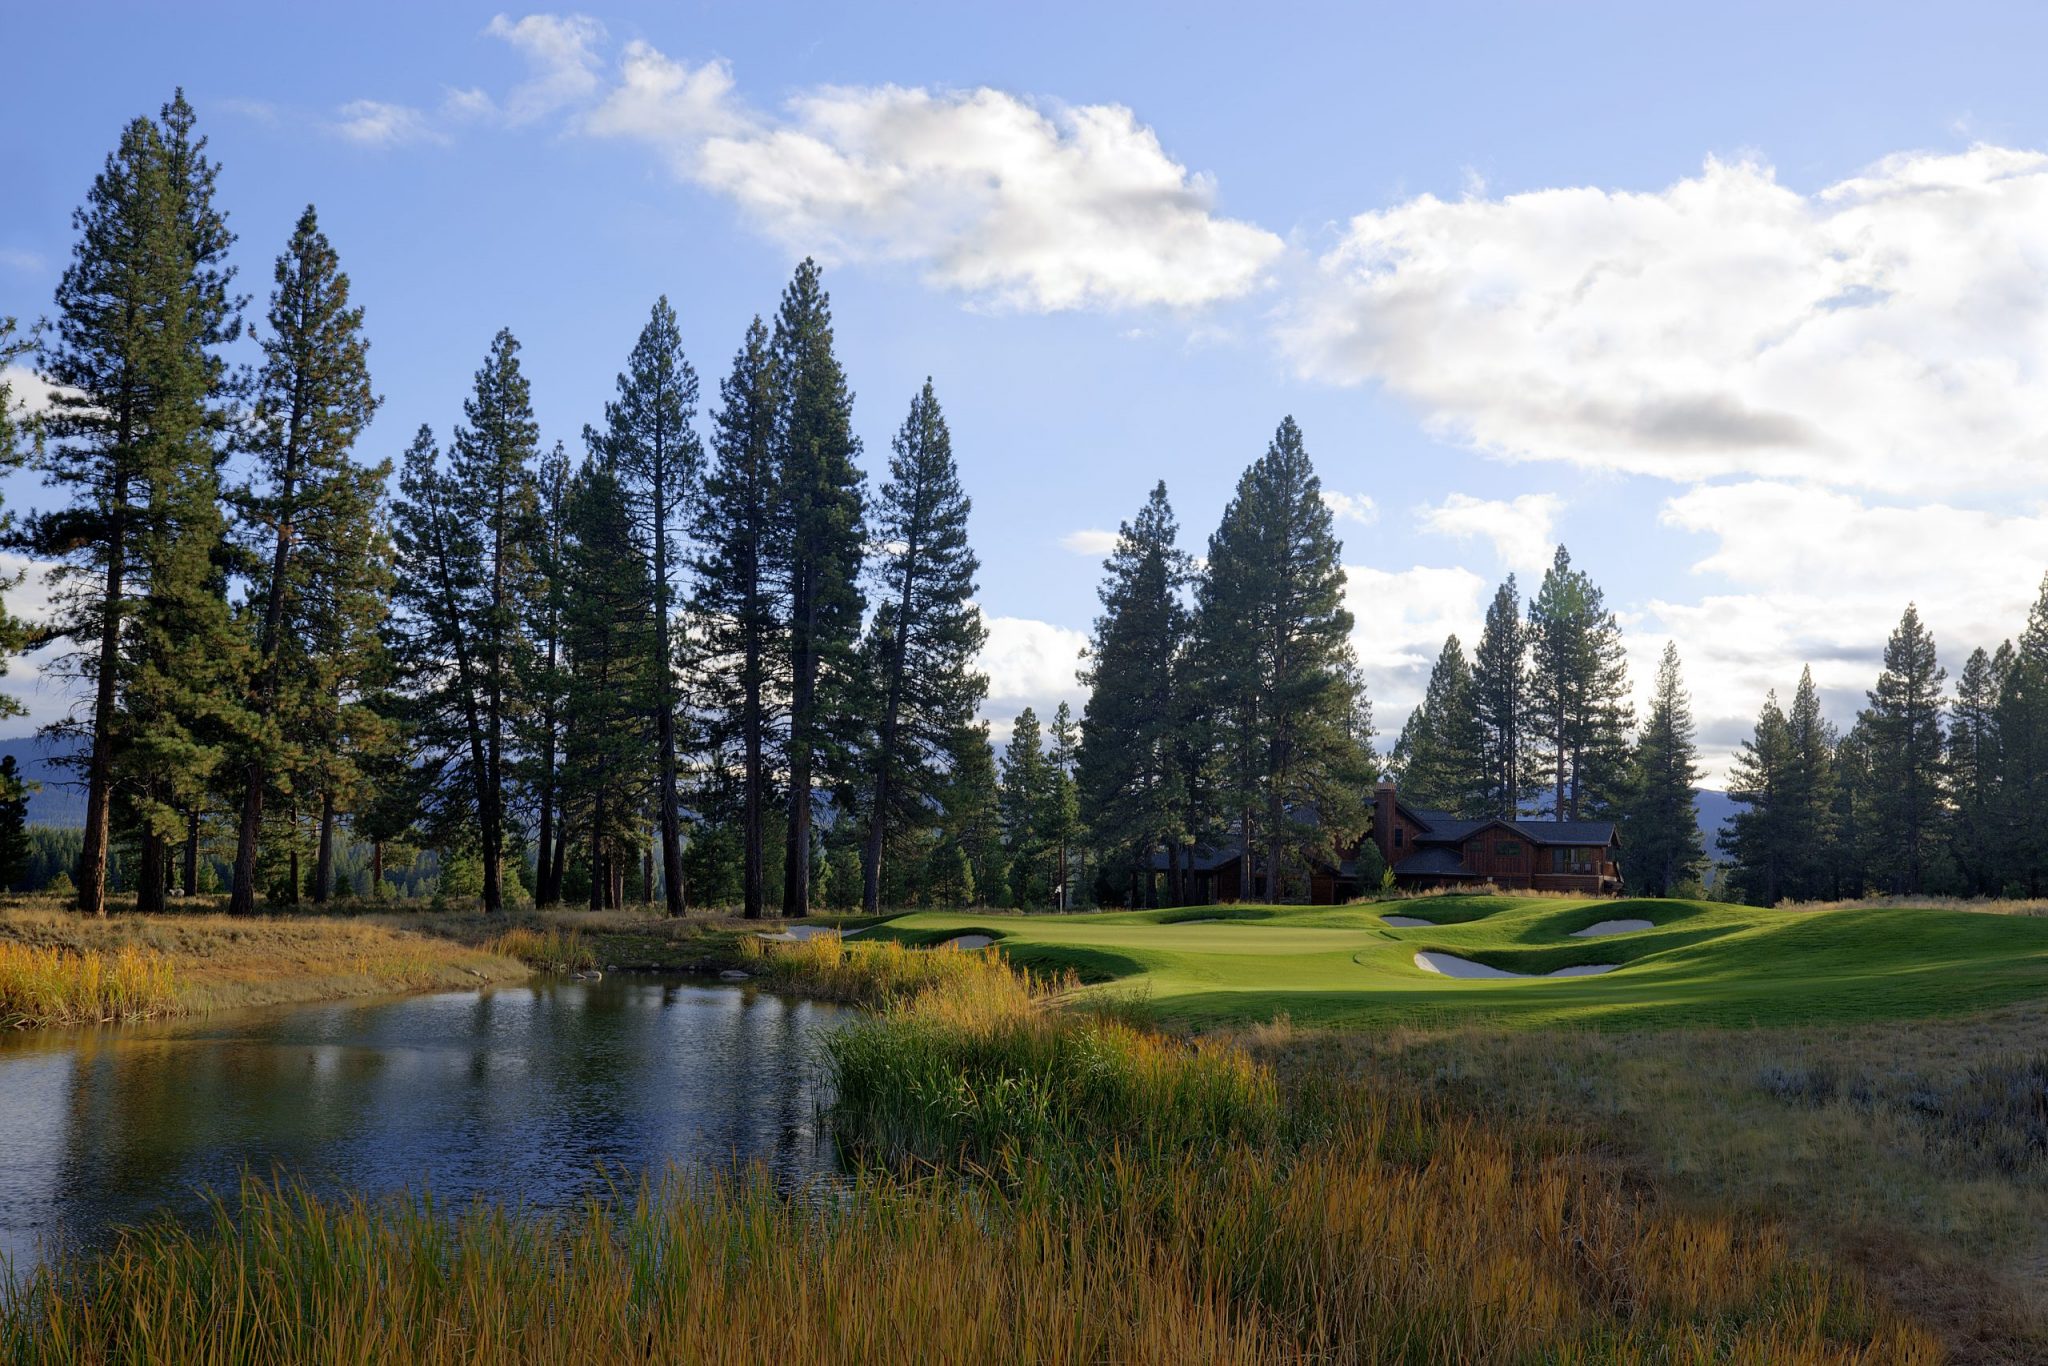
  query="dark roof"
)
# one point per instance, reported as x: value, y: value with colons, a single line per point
x: 1568, y: 832
x: 1441, y: 827
x: 1430, y: 863
x: 1199, y: 860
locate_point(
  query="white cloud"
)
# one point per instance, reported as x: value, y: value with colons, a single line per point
x: 1089, y: 541
x: 1029, y: 663
x: 21, y: 259
x: 373, y: 123
x: 1521, y: 530
x: 1351, y: 507
x: 561, y: 50
x: 1029, y: 206
x: 1889, y: 332
x: 26, y: 390
x: 1401, y: 621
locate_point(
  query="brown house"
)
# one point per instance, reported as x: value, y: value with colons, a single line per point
x: 1425, y: 848
x: 1428, y: 848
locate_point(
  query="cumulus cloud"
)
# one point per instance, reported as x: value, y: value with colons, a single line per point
x: 1519, y: 529
x: 1402, y: 618
x: 1090, y: 541
x: 1041, y: 207
x: 376, y: 124
x: 1351, y: 507
x: 1889, y: 332
x: 1029, y: 663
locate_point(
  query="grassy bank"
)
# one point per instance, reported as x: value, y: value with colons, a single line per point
x: 60, y: 968
x: 1038, y: 1183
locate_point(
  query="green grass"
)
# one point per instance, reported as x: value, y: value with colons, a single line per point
x: 1703, y: 963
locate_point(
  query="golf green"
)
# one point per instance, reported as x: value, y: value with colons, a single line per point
x: 1699, y: 963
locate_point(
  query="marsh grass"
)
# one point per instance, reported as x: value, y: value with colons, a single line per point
x: 548, y: 949
x: 190, y: 963
x: 872, y: 974
x: 44, y: 985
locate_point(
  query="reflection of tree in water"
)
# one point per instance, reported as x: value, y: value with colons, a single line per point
x: 522, y: 1094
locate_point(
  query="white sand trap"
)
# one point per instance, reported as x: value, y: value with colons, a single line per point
x: 1407, y: 922
x: 1613, y: 927
x: 1450, y: 965
x: 797, y: 934
x: 968, y: 941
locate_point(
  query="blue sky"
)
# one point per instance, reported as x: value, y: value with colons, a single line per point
x: 1744, y: 304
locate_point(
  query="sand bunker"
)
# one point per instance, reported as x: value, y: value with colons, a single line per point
x: 968, y: 941
x: 1406, y: 922
x: 797, y: 934
x: 1613, y: 927
x: 1449, y: 965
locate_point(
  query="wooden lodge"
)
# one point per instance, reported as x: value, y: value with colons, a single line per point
x: 1424, y: 848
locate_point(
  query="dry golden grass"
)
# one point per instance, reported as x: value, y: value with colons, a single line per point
x: 41, y: 985
x: 2031, y: 906
x: 550, y: 949
x: 208, y: 961
x: 1914, y: 1155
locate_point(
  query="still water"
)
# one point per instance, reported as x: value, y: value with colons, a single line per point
x: 525, y: 1093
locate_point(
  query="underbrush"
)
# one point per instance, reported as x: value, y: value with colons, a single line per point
x: 43, y: 986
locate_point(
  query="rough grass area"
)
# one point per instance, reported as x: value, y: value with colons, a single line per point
x: 1701, y: 964
x: 41, y: 985
x: 546, y: 950
x: 1914, y: 1155
x: 1184, y: 1206
x: 826, y: 967
x: 196, y: 962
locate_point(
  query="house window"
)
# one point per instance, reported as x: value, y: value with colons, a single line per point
x: 1507, y: 849
x: 1398, y: 833
x: 1573, y: 860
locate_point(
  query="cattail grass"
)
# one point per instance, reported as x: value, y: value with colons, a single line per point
x: 41, y: 986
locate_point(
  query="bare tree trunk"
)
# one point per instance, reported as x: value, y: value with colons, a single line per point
x: 376, y: 870
x: 192, y: 852
x: 323, y: 861
x: 99, y: 772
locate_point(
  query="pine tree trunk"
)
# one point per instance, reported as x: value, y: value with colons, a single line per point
x: 598, y: 876
x: 192, y: 852
x: 753, y: 723
x: 545, y: 894
x: 153, y: 875
x: 796, y: 862
x: 292, y: 898
x: 99, y: 773
x: 323, y: 862
x: 674, y: 889
x: 647, y: 877
x: 376, y: 870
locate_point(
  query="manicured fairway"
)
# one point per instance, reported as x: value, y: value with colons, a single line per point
x: 1701, y: 963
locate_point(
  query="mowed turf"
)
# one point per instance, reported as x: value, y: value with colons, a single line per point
x: 1702, y: 963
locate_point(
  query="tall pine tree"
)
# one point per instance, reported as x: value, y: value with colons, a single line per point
x: 315, y: 508
x: 651, y: 442
x: 1578, y: 710
x: 1908, y: 777
x: 145, y: 310
x: 926, y: 633
x: 1500, y: 700
x: 1440, y: 758
x: 1284, y: 665
x: 1663, y: 848
x: 1756, y: 839
x: 740, y: 662
x: 822, y: 501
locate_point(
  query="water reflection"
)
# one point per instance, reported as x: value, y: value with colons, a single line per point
x: 520, y: 1093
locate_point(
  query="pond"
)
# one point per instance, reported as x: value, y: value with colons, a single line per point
x: 528, y: 1093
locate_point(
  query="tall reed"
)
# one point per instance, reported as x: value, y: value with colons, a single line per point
x: 549, y: 950
x: 41, y: 986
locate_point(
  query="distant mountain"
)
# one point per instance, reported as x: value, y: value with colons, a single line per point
x: 1715, y: 808
x: 58, y: 803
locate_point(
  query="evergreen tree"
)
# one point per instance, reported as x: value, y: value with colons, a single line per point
x: 822, y: 501
x: 1976, y: 767
x: 15, y: 848
x: 612, y: 763
x: 315, y: 508
x: 2022, y: 720
x: 973, y: 825
x: 1664, y: 852
x: 741, y: 659
x: 1807, y: 806
x: 1755, y: 839
x: 1059, y: 818
x: 1283, y: 670
x: 1578, y: 706
x: 1025, y: 785
x: 1129, y: 783
x: 1441, y: 756
x: 491, y: 475
x: 544, y: 680
x: 145, y: 310
x: 650, y: 439
x: 1905, y: 747
x: 926, y: 633
x: 1500, y: 700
